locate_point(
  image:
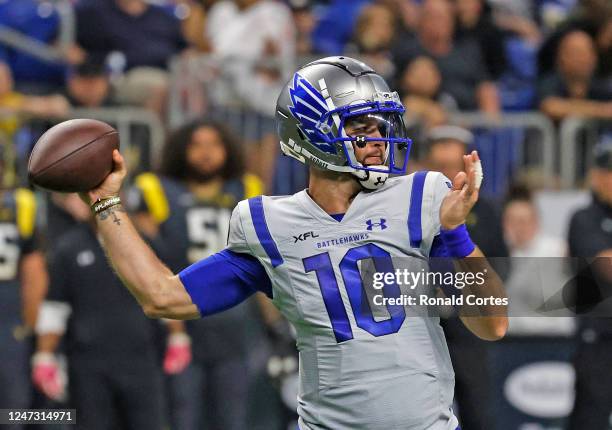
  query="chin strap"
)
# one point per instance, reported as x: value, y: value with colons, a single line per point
x: 372, y: 180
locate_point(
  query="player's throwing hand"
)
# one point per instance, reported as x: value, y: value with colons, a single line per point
x: 111, y: 184
x: 463, y: 195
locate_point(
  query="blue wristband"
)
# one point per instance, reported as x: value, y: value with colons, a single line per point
x: 457, y: 241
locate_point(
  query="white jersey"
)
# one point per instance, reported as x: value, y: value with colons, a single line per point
x: 357, y: 371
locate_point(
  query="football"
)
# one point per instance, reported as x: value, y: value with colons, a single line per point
x: 73, y: 156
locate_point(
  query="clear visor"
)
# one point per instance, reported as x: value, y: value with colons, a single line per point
x: 377, y: 125
x: 387, y: 127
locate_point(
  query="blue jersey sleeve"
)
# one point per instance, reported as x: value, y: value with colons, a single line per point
x: 223, y: 280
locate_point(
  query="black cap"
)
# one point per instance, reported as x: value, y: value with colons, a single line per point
x: 602, y: 155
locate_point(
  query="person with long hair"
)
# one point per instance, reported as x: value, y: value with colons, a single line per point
x: 185, y: 210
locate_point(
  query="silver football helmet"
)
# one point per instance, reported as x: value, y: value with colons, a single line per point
x: 321, y: 99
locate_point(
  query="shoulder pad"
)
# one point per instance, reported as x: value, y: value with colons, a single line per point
x: 253, y: 186
x: 26, y: 211
x: 154, y: 196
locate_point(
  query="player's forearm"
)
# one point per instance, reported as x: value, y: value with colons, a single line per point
x: 136, y: 264
x: 489, y: 320
x: 33, y: 286
x: 175, y: 326
x: 48, y: 342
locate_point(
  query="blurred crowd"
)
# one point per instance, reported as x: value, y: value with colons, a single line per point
x: 443, y: 57
x: 62, y: 301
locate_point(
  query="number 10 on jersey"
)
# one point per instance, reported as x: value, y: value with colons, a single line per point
x: 321, y: 264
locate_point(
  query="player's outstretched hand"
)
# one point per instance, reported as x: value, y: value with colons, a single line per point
x: 111, y: 184
x: 464, y: 194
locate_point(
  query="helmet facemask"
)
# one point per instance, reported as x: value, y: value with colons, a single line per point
x: 378, y: 121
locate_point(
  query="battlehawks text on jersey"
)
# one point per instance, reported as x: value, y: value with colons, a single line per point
x: 356, y: 371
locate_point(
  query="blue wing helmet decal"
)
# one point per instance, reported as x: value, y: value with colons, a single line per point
x: 308, y: 108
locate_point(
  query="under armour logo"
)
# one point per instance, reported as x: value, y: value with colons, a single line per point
x: 379, y: 180
x: 382, y: 224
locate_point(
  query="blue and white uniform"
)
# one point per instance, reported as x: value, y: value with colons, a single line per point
x: 357, y: 370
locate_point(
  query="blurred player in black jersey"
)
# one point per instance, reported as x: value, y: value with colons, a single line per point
x: 114, y: 374
x: 446, y: 146
x: 185, y: 212
x: 590, y: 237
x: 23, y: 283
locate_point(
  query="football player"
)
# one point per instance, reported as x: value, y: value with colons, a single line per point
x: 185, y: 212
x: 23, y: 283
x: 114, y: 375
x: 357, y: 371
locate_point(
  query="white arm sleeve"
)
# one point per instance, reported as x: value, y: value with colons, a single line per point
x: 53, y: 318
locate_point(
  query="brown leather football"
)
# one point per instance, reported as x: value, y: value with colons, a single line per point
x: 73, y: 156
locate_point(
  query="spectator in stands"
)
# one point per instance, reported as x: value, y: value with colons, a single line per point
x: 537, y: 271
x: 258, y: 68
x: 88, y: 85
x: 185, y: 213
x: 590, y: 236
x: 193, y: 17
x: 522, y: 228
x: 420, y: 85
x: 14, y: 106
x: 463, y: 71
x: 115, y: 379
x: 573, y: 89
x: 475, y: 21
x: 336, y: 25
x: 142, y: 39
x: 407, y: 12
x: 517, y: 18
x: 305, y: 22
x: 590, y: 16
x: 145, y: 34
x: 517, y: 84
x: 446, y: 146
x: 373, y: 37
x: 39, y: 22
